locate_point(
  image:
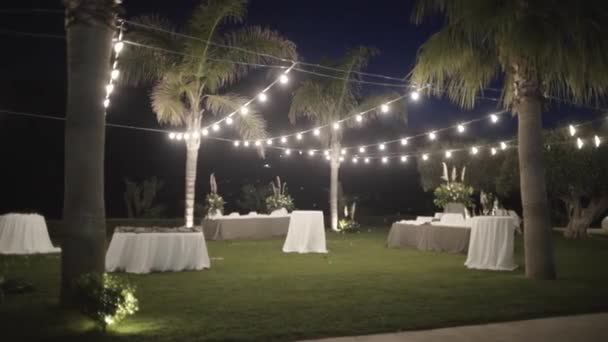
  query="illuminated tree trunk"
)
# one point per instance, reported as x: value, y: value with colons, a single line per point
x: 89, y: 31
x: 538, y: 244
x: 191, y: 163
x: 333, y: 184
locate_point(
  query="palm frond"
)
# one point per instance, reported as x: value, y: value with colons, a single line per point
x: 311, y: 102
x: 212, y: 13
x: 143, y: 65
x: 167, y: 100
x: 398, y: 109
x: 224, y: 104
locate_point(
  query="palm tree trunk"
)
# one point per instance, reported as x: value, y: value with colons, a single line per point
x: 89, y: 43
x: 333, y: 184
x: 191, y: 163
x: 537, y: 227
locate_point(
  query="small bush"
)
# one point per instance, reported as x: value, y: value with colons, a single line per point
x: 104, y: 298
x: 348, y: 226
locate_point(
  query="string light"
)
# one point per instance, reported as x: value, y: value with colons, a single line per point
x: 205, y: 132
x: 237, y: 143
x: 106, y: 103
x: 179, y: 136
x: 216, y: 127
x: 287, y: 151
x: 341, y: 159
x: 299, y: 136
x: 448, y: 154
x: 326, y: 152
x: 327, y: 157
x: 425, y: 157
x: 362, y: 149
x: 403, y: 142
x: 118, y: 47
x: 432, y: 136
x: 382, y: 147
x: 171, y: 135
x: 597, y: 141
x: 580, y: 143
x: 262, y: 97
x: 246, y: 143
x: 311, y: 153
x: 283, y: 140
x: 109, y: 89
x: 461, y: 128
x: 494, y: 118
x: 572, y: 130
x: 244, y: 110
x: 343, y: 152
x: 229, y: 121
x: 355, y: 160
x: 366, y: 160
x: 403, y: 159
x: 317, y: 132
x: 195, y: 135
x: 269, y: 142
x: 415, y: 95
x: 493, y: 151
x: 114, y: 74
x: 474, y: 150
x: 336, y: 126
x: 257, y: 143
x: 384, y: 160
x: 284, y: 79
x: 503, y: 145
x: 359, y: 118
x: 384, y: 108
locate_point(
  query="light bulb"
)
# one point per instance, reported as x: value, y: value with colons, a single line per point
x: 580, y: 143
x: 205, y: 132
x: 262, y: 97
x: 503, y: 145
x: 493, y: 151
x: 341, y: 159
x: 179, y: 136
x: 384, y: 160
x: 474, y: 150
x: 118, y: 47
x: 362, y: 149
x: 246, y: 143
x: 403, y: 142
x: 403, y: 159
x: 237, y: 143
x: 366, y: 160
x: 425, y: 157
x: 494, y: 118
x: 114, y: 74
x: 326, y: 152
x: 311, y: 153
x: 258, y: 143
x: 299, y: 136
x: 106, y: 103
x: 336, y: 126
x: 284, y: 79
x: 448, y: 154
x: 359, y: 118
x: 109, y: 89
x: 216, y: 127
x: 384, y: 108
x: 196, y: 135
x: 284, y: 140
x: 186, y: 136
x: 432, y: 135
x: 415, y: 95
x: 244, y: 110
x: 461, y: 128
x: 287, y: 151
x: 572, y: 130
x: 269, y: 142
x: 597, y: 141
x: 381, y: 147
x: 229, y: 121
x: 316, y: 132
x: 171, y: 135
x: 343, y: 152
x: 327, y: 158
x: 355, y: 160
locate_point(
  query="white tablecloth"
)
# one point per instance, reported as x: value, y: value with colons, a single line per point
x: 24, y: 234
x: 306, y: 233
x: 148, y: 252
x: 491, y: 243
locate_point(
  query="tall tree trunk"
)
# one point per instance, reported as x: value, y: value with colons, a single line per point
x: 538, y: 243
x: 333, y: 184
x: 191, y: 163
x: 581, y: 218
x: 89, y: 43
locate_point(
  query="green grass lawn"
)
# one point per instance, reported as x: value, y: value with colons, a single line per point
x: 255, y: 292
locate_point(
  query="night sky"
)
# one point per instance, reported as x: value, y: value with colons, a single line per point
x: 33, y: 80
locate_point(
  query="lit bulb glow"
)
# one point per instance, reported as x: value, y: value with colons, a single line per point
x: 244, y: 110
x: 493, y: 151
x: 384, y: 160
x: 246, y: 144
x: 403, y: 142
x: 343, y: 152
x: 461, y: 128
x: 311, y: 153
x: 494, y: 118
x: 258, y: 143
x: 580, y: 143
x: 415, y: 95
x: 269, y: 142
x: 262, y: 97
x: 336, y: 126
x: 229, y: 121
x: 118, y: 47
x: 327, y: 158
x: 106, y: 103
x: 355, y: 160
x: 195, y: 135
x: 403, y: 159
x: 186, y: 136
x: 572, y: 130
x: 109, y: 89
x: 205, y: 132
x: 299, y: 136
x: 287, y: 151
x: 114, y: 74
x: 362, y: 149
x: 503, y: 145
x: 382, y: 147
x: 216, y: 127
x: 237, y: 143
x: 359, y: 118
x: 179, y: 136
x: 341, y: 159
x: 171, y: 135
x: 326, y: 152
x: 432, y: 135
x: 448, y: 154
x: 384, y: 108
x: 316, y: 132
x: 597, y: 141
x: 283, y: 140
x: 284, y: 79
x: 425, y: 157
x: 366, y: 160
x: 474, y: 150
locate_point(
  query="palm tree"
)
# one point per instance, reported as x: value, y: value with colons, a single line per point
x: 328, y: 100
x: 537, y: 50
x: 192, y: 82
x: 90, y: 26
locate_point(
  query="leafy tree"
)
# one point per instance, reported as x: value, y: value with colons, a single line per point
x: 328, y: 100
x: 90, y: 26
x: 139, y: 198
x: 192, y: 83
x: 537, y: 50
x: 253, y: 197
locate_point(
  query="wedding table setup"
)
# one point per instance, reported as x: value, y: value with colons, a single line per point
x: 491, y: 243
x: 306, y: 233
x: 145, y: 250
x: 246, y: 227
x: 25, y: 234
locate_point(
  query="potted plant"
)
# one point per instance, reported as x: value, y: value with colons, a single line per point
x: 279, y: 202
x: 214, y: 203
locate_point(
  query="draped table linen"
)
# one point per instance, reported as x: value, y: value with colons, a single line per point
x: 491, y: 244
x: 148, y: 252
x: 254, y: 227
x: 427, y: 237
x: 306, y: 233
x: 24, y: 234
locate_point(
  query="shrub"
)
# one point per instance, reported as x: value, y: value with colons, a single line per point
x: 105, y: 298
x: 348, y: 226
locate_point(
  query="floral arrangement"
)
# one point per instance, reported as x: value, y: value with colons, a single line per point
x: 348, y: 223
x: 453, y: 191
x: 214, y: 203
x: 104, y: 298
x: 279, y: 197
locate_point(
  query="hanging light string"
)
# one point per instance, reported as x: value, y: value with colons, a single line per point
x: 117, y: 46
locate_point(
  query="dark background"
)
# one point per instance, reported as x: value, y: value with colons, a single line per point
x: 33, y: 79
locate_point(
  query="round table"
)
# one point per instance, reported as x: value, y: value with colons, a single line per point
x: 491, y: 243
x: 24, y: 234
x: 306, y: 233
